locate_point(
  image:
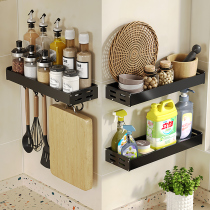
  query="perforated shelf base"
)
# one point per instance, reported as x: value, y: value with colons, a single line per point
x: 73, y: 98
x: 130, y: 164
x: 115, y: 94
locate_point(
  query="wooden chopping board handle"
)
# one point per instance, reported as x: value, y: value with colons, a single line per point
x: 36, y: 106
x: 44, y: 113
x: 27, y: 106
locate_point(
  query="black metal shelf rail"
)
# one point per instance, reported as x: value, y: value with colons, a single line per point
x: 130, y: 164
x: 115, y: 94
x: 70, y: 99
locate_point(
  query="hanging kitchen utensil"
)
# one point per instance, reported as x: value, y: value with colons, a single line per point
x: 45, y: 161
x: 134, y: 47
x: 71, y: 146
x: 36, y: 130
x: 27, y: 140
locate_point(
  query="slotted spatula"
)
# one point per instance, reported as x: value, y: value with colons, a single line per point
x: 45, y: 161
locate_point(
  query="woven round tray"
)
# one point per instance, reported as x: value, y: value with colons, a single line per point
x: 134, y: 47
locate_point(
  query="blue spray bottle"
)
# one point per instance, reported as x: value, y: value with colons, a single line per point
x: 130, y: 149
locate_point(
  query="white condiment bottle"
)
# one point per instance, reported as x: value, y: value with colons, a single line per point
x: 70, y: 81
x: 84, y: 62
x: 56, y: 75
x: 30, y: 63
x: 70, y: 52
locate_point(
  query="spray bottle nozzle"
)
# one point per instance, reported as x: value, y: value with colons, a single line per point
x: 129, y: 129
x: 120, y: 114
x: 187, y: 90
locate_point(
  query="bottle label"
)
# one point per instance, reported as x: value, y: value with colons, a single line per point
x: 161, y: 134
x: 68, y: 62
x: 53, y: 55
x: 121, y: 143
x: 186, y: 125
x: 130, y: 152
x: 54, y: 83
x: 83, y: 68
x: 67, y: 88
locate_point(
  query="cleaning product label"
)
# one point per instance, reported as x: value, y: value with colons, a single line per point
x: 186, y: 125
x: 161, y: 134
x: 68, y: 62
x: 130, y: 152
x: 121, y: 143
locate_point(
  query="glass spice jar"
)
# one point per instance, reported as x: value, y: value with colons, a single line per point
x: 43, y: 68
x: 165, y: 72
x: 17, y: 58
x: 151, y: 78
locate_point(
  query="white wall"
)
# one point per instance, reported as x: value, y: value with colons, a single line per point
x: 171, y: 21
x: 10, y: 123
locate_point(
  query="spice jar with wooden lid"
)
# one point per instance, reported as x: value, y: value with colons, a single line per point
x: 43, y: 68
x: 151, y: 78
x: 17, y: 58
x: 165, y: 72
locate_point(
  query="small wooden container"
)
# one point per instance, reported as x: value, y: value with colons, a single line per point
x: 183, y: 70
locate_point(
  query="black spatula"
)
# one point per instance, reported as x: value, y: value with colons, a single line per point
x: 45, y: 161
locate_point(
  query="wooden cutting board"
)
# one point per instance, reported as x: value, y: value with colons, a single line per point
x: 71, y: 146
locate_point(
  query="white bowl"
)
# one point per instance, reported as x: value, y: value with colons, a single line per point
x: 131, y: 88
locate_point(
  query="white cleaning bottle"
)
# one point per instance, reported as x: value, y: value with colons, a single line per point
x: 185, y: 116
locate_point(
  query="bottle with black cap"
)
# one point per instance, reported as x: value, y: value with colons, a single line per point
x: 43, y: 41
x: 29, y: 37
x: 43, y: 68
x: 57, y: 46
x: 17, y: 57
x: 30, y: 63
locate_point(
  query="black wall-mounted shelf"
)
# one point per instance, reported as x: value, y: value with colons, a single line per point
x: 130, y: 164
x: 73, y: 98
x: 115, y: 94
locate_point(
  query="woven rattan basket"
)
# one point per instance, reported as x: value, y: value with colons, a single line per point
x: 134, y: 47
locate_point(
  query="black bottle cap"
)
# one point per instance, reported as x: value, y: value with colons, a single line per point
x: 18, y: 43
x: 43, y: 29
x: 44, y: 53
x: 57, y: 33
x: 31, y: 48
x: 31, y: 25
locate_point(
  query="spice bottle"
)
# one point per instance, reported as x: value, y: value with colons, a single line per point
x: 151, y: 78
x: 17, y: 58
x: 30, y: 63
x: 29, y: 38
x: 70, y: 81
x: 57, y: 46
x: 84, y: 62
x: 43, y: 41
x: 56, y: 76
x: 43, y: 68
x: 166, y: 72
x: 70, y: 52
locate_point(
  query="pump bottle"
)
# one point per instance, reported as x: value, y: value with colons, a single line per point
x: 43, y: 41
x: 185, y: 116
x: 30, y: 37
x: 130, y: 149
x: 57, y: 46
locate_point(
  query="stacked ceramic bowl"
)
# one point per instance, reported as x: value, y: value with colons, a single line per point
x: 131, y: 83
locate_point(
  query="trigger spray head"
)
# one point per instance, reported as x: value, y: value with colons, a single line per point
x: 120, y: 114
x: 129, y: 129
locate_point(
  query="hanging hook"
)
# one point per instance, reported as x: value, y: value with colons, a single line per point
x: 36, y: 93
x: 80, y: 108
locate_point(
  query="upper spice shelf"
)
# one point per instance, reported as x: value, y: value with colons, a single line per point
x: 130, y: 164
x: 70, y: 99
x: 115, y: 94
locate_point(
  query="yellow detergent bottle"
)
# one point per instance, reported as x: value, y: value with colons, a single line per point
x: 120, y: 137
x: 161, y: 124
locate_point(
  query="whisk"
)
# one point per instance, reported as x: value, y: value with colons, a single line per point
x: 36, y: 130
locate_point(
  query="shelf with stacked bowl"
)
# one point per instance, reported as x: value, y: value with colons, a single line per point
x: 73, y: 98
x: 130, y: 99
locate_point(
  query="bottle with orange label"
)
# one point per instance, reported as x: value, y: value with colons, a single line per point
x: 161, y: 124
x: 185, y: 116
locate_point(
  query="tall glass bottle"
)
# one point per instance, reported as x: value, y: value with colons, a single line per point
x: 29, y: 37
x: 84, y: 62
x: 57, y: 46
x: 43, y: 41
x: 70, y: 52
